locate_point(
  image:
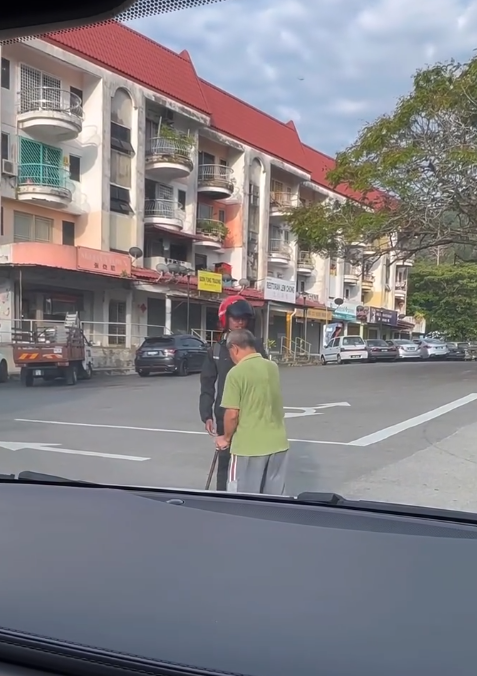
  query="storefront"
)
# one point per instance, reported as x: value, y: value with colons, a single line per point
x: 382, y: 323
x: 346, y: 313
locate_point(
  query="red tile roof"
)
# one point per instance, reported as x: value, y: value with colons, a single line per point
x: 136, y: 57
x: 237, y: 119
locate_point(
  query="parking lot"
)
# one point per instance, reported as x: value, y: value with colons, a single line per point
x: 398, y: 432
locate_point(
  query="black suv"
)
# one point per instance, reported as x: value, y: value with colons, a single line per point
x: 177, y: 353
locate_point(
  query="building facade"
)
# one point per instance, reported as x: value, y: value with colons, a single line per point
x: 123, y: 175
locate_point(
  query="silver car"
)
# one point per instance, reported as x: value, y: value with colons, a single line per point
x: 430, y: 348
x: 407, y: 348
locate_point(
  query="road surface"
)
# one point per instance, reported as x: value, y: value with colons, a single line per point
x: 395, y: 432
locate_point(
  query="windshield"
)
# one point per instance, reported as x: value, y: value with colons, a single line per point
x: 212, y: 210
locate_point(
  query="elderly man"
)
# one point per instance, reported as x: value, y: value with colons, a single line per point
x: 254, y: 422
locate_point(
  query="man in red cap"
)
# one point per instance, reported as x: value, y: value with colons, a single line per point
x: 234, y: 313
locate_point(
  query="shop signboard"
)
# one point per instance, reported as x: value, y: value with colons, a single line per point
x: 209, y: 281
x: 279, y: 291
x: 104, y: 262
x: 346, y: 312
x: 381, y: 315
x: 315, y: 314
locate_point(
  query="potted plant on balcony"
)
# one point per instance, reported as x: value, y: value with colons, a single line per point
x: 181, y: 146
x: 213, y: 229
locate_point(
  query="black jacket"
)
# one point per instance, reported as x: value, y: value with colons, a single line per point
x: 212, y: 380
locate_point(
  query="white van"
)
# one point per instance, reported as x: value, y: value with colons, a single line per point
x: 344, y: 350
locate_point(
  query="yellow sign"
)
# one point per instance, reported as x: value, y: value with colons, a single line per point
x: 209, y: 281
x: 315, y: 314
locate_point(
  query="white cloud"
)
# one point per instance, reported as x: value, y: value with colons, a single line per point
x: 328, y: 64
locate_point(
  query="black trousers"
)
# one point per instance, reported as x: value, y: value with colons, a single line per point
x: 223, y: 462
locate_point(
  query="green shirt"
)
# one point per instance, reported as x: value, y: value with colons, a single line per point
x: 253, y: 387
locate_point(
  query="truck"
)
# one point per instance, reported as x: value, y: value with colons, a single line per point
x: 50, y: 352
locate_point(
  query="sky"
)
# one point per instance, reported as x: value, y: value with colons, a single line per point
x: 329, y: 65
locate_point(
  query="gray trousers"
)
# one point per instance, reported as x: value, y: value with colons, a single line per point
x: 258, y: 474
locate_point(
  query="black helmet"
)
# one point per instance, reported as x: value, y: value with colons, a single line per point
x: 241, y: 309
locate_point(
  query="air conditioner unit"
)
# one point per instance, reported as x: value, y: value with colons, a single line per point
x: 8, y: 168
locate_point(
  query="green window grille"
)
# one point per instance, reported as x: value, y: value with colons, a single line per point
x: 40, y: 164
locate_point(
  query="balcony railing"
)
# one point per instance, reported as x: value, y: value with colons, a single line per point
x: 401, y: 285
x: 281, y: 201
x: 167, y: 209
x: 46, y: 175
x: 211, y: 228
x: 215, y: 174
x: 52, y: 100
x: 169, y: 149
x: 305, y: 258
x: 277, y: 247
x: 351, y: 270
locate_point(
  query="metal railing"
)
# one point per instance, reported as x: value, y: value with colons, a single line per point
x: 209, y: 227
x: 207, y: 335
x: 167, y: 148
x: 170, y: 209
x: 401, y: 285
x: 46, y: 175
x: 306, y: 258
x: 215, y: 175
x: 277, y: 247
x: 351, y: 270
x: 293, y: 350
x: 283, y: 200
x: 51, y: 99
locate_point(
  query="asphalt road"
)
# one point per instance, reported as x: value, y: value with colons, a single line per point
x: 383, y: 435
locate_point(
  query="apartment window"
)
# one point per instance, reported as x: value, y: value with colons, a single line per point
x: 119, y: 200
x: 38, y: 89
x: 68, y: 233
x: 5, y: 149
x: 121, y: 139
x: 40, y: 163
x: 5, y: 73
x: 120, y: 169
x: 76, y: 93
x: 149, y: 189
x: 117, y: 323
x: 221, y: 215
x: 181, y: 198
x: 206, y: 158
x: 204, y: 212
x: 75, y: 168
x: 30, y: 228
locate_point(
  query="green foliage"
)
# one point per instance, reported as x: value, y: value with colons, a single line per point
x: 421, y: 159
x: 447, y: 296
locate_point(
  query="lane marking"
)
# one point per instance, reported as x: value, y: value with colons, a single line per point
x: 53, y: 448
x: 391, y: 431
x: 156, y: 429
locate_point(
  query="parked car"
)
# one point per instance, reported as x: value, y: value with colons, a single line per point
x: 431, y: 348
x: 407, y: 349
x: 380, y: 350
x: 344, y: 350
x: 3, y: 368
x: 177, y: 353
x: 458, y: 351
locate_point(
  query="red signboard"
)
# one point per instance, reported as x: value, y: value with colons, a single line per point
x: 103, y: 262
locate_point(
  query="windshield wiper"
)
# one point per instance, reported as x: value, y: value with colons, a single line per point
x: 41, y: 478
x: 336, y: 500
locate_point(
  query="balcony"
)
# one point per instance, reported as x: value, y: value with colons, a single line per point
x: 400, y: 289
x: 305, y: 264
x: 279, y: 253
x: 213, y: 231
x: 168, y: 214
x: 367, y: 283
x: 50, y: 115
x: 215, y: 181
x: 44, y: 185
x: 351, y: 274
x: 151, y: 262
x: 168, y: 158
x: 281, y: 203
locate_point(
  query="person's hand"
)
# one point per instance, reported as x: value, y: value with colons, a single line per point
x: 210, y: 427
x: 221, y: 443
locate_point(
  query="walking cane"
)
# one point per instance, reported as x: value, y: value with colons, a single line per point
x: 212, y: 469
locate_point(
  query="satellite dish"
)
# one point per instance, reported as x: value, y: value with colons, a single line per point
x: 175, y: 268
x: 338, y: 301
x: 244, y: 283
x: 135, y: 252
x: 162, y: 268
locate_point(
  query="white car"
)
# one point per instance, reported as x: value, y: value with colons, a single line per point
x: 3, y: 368
x: 344, y: 350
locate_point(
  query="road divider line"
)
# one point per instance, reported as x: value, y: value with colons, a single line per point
x: 157, y: 429
x: 391, y: 431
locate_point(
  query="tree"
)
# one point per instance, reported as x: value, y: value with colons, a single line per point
x: 410, y: 177
x: 447, y: 296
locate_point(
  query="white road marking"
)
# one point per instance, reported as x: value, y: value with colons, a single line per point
x: 53, y: 448
x: 304, y: 411
x: 391, y: 431
x: 157, y: 429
